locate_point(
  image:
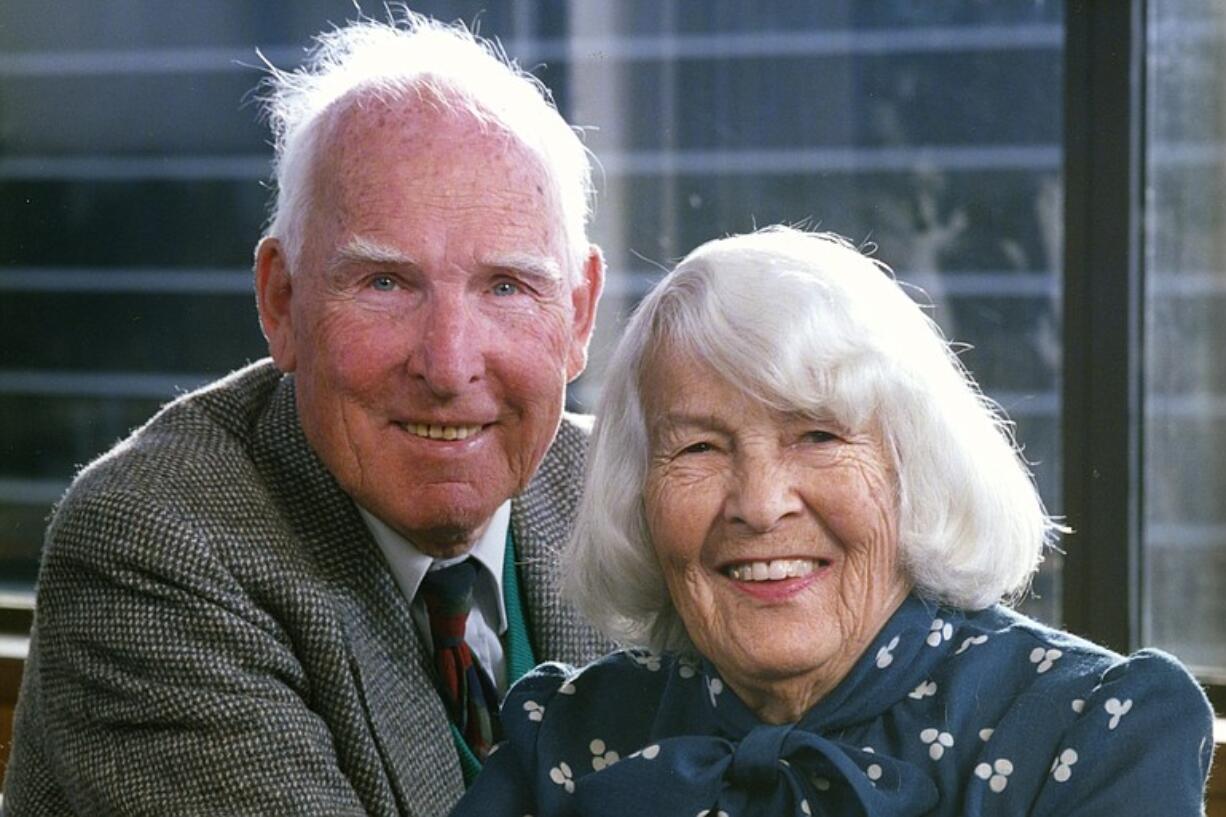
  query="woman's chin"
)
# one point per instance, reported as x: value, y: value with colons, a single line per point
x: 781, y: 685
x: 781, y: 658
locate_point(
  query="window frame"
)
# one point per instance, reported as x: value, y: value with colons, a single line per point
x: 1102, y: 432
x: 1102, y: 324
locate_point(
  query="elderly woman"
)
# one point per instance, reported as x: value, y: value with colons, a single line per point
x: 801, y: 508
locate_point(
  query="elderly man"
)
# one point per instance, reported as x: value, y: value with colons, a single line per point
x: 259, y: 603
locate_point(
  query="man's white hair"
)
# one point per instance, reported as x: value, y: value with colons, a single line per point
x: 806, y: 323
x: 446, y: 64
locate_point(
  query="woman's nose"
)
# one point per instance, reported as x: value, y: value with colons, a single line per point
x: 763, y: 494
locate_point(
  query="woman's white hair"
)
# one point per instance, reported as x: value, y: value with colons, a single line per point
x: 455, y: 69
x: 806, y: 323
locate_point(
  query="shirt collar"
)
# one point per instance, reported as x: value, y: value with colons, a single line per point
x: 409, y: 565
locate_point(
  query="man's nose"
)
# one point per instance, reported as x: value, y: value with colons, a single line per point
x: 449, y: 355
x: 763, y: 494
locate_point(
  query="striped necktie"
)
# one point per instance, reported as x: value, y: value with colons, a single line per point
x: 467, y: 691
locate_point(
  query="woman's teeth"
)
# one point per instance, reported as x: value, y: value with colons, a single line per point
x: 434, y: 432
x: 772, y: 571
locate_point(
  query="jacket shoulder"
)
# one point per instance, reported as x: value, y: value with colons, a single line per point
x: 553, y: 494
x: 570, y: 444
x: 187, y: 479
x: 205, y: 431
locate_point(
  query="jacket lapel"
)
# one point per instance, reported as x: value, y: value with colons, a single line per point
x: 541, y: 519
x: 404, y: 712
x: 388, y: 663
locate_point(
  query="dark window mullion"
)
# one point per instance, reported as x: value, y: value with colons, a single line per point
x: 1103, y: 293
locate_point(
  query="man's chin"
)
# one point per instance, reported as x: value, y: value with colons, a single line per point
x: 440, y: 519
x: 443, y: 536
x: 443, y: 541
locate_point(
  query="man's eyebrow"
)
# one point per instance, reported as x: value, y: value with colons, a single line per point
x: 539, y: 266
x: 361, y: 249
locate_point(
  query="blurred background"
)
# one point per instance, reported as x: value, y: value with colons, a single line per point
x: 970, y: 141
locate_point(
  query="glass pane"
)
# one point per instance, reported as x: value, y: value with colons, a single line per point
x: 931, y: 130
x: 131, y: 196
x: 1185, y: 368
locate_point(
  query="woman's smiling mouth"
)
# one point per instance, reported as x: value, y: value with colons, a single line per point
x: 773, y: 569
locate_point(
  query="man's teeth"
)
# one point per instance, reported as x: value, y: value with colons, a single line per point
x: 774, y: 570
x: 434, y: 432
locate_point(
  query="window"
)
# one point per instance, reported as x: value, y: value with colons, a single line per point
x: 1184, y: 461
x: 930, y: 131
x: 947, y: 135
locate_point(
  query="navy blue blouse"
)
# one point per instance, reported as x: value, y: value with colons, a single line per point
x: 947, y: 713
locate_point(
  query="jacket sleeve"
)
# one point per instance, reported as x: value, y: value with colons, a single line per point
x: 1142, y: 745
x: 156, y: 686
x: 506, y: 785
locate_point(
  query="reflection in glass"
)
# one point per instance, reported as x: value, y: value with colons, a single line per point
x: 1184, y: 532
x: 932, y: 131
x: 130, y: 193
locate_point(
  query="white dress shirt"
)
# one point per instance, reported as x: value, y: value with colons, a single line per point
x: 487, y: 620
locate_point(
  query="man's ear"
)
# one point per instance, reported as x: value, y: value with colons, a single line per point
x: 274, y: 289
x: 584, y: 297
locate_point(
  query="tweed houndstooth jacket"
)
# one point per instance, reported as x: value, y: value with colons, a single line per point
x: 216, y: 631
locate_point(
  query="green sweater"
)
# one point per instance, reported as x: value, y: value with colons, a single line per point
x: 515, y: 643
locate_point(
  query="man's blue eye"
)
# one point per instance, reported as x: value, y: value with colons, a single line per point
x: 383, y: 283
x: 505, y: 288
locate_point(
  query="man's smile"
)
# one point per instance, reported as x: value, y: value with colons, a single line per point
x: 434, y: 431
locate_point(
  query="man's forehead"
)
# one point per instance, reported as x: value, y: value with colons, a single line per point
x: 373, y: 139
x: 416, y: 118
x: 398, y: 192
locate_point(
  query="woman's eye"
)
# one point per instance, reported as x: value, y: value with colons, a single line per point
x: 383, y: 283
x: 505, y: 288
x: 818, y: 436
x: 697, y: 448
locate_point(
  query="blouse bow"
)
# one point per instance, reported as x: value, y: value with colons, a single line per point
x: 771, y: 770
x: 739, y: 767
